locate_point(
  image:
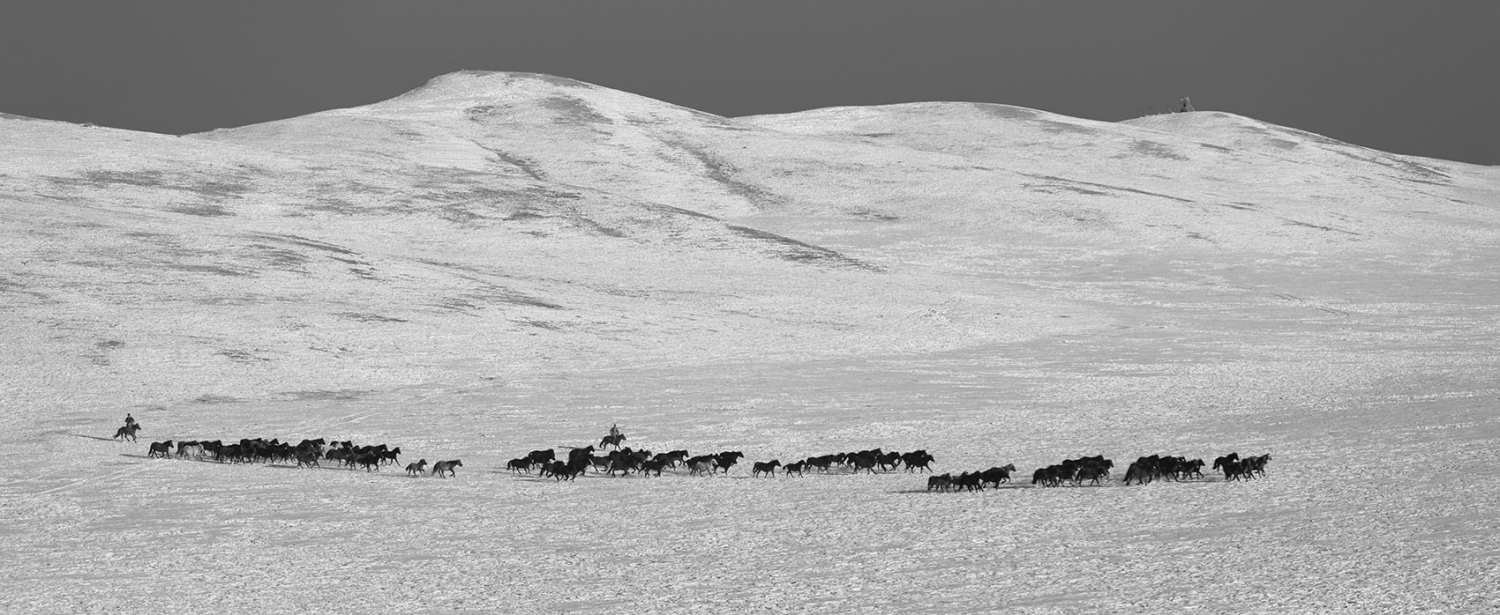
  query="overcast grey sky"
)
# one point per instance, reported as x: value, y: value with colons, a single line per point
x: 1401, y: 76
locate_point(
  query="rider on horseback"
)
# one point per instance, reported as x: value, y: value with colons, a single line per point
x: 129, y: 420
x: 613, y: 439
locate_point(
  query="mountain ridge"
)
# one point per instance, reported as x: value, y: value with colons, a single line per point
x: 570, y: 224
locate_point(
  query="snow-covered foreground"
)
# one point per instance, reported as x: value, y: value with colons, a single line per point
x: 908, y: 277
x: 1380, y: 497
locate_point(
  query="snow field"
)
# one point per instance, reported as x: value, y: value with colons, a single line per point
x: 1361, y: 509
x: 500, y: 262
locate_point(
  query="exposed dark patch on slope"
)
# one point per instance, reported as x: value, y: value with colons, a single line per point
x: 100, y: 355
x: 474, y: 301
x: 16, y: 288
x: 214, y: 191
x: 211, y: 269
x: 240, y: 355
x: 279, y: 258
x: 1063, y: 180
x: 1054, y: 188
x: 723, y: 173
x: 287, y: 253
x: 1291, y: 222
x: 542, y: 324
x: 309, y: 243
x: 708, y: 119
x: 223, y: 188
x: 798, y: 251
x: 1157, y: 150
x: 482, y: 113
x: 528, y: 166
x: 679, y: 210
x: 209, y: 398
x: 593, y: 226
x: 470, y: 203
x: 366, y: 317
x: 204, y: 210
x: 1057, y: 128
x: 332, y: 196
x: 574, y: 111
x: 870, y: 214
x: 484, y: 292
x: 140, y: 179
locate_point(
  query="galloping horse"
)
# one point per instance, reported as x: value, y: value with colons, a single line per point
x: 611, y: 440
x: 703, y: 466
x: 128, y: 431
x: 918, y: 460
x: 416, y: 469
x: 307, y: 458
x: 995, y: 476
x: 1219, y: 462
x: 446, y: 467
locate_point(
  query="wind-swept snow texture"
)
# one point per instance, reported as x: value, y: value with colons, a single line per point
x: 496, y: 263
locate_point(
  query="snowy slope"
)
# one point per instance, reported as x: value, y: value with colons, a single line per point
x: 501, y: 262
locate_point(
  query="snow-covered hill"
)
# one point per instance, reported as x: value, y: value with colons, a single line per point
x: 497, y: 262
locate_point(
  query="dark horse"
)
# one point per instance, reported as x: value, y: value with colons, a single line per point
x: 128, y: 432
x: 611, y: 440
x: 995, y: 476
x: 1219, y: 462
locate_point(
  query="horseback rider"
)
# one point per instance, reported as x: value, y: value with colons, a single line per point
x: 129, y: 420
x: 614, y: 430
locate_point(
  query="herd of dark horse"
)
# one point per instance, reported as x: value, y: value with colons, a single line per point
x: 307, y: 454
x: 1094, y: 470
x: 625, y: 461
